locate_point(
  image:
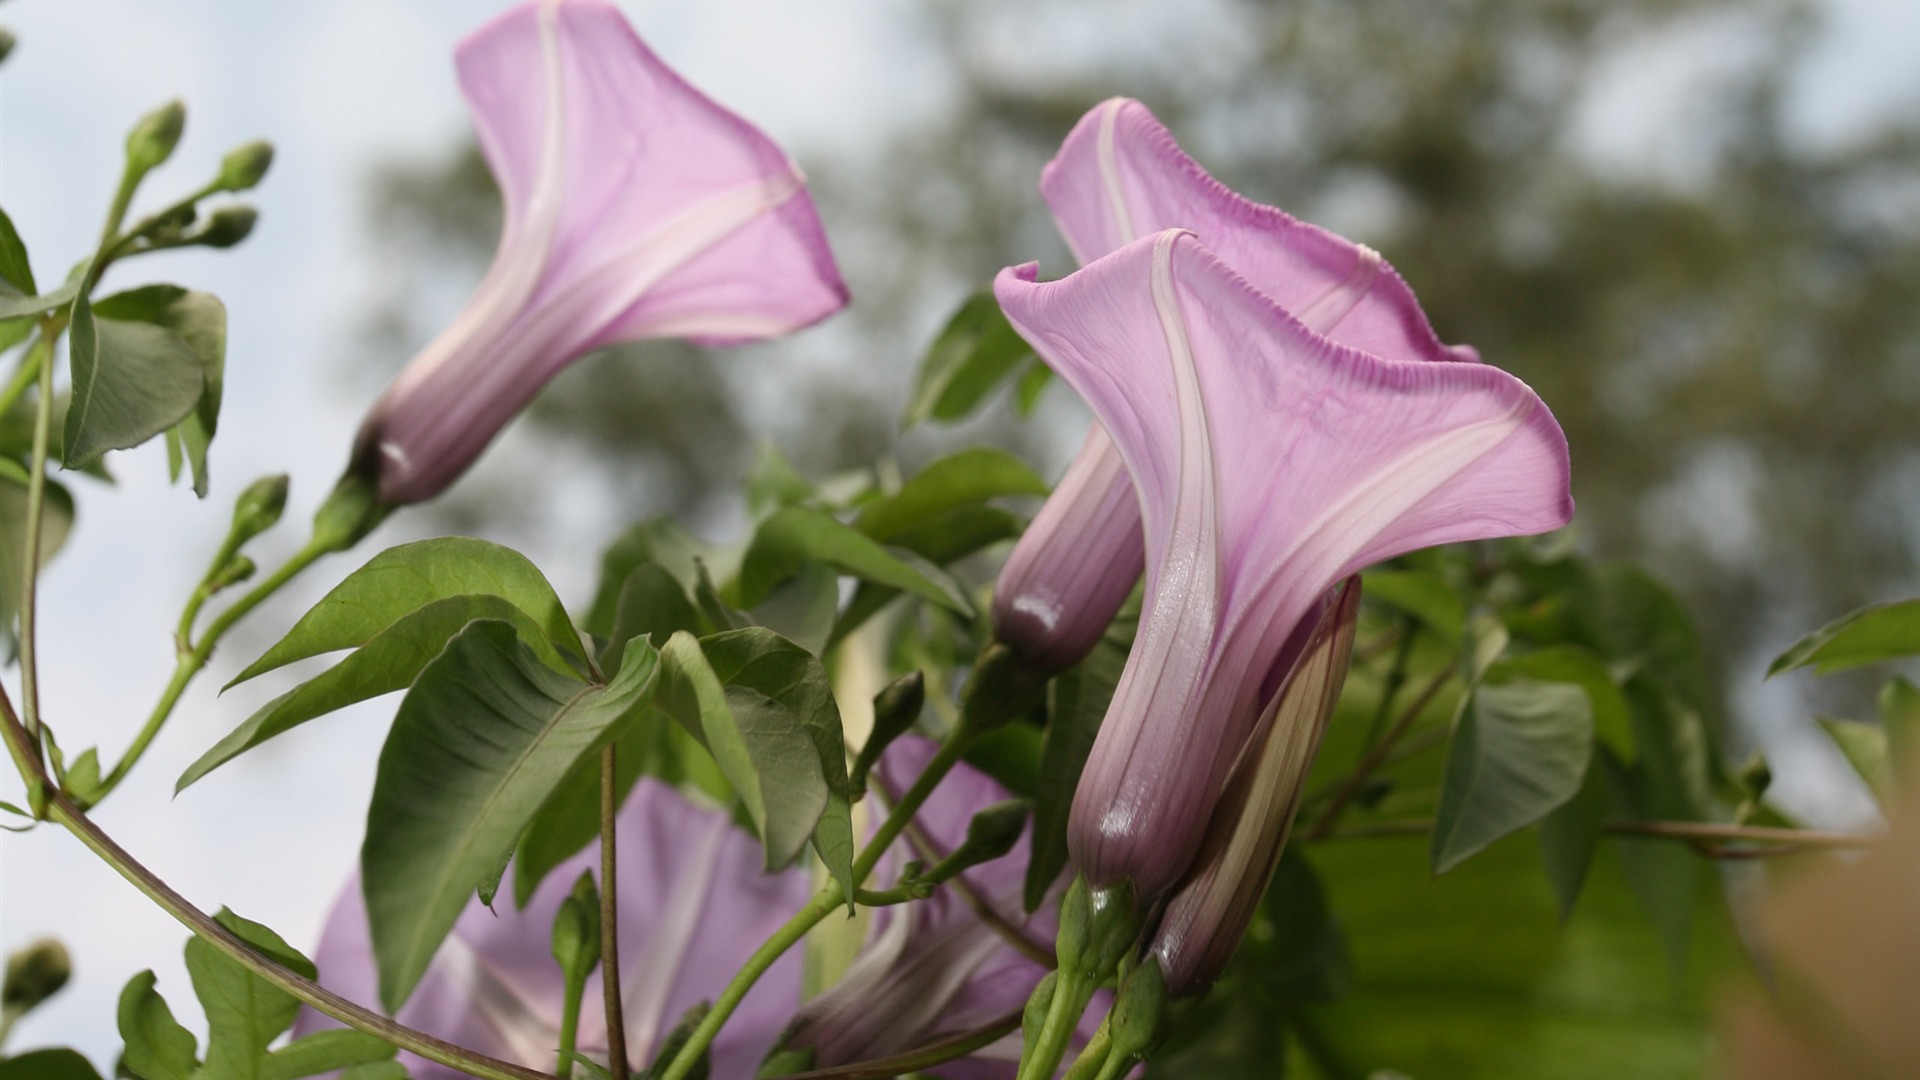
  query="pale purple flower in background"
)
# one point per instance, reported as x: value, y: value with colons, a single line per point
x: 694, y: 905
x: 936, y: 967
x: 1208, y: 913
x: 1271, y: 462
x: 635, y: 207
x: 1120, y: 176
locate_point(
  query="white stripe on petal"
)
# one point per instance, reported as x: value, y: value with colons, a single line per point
x: 1337, y: 303
x: 1110, y: 174
x: 651, y: 978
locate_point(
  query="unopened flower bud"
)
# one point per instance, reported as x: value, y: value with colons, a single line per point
x: 236, y: 570
x: 1210, y: 911
x: 576, y: 931
x: 35, y: 974
x: 1072, y: 570
x: 152, y: 140
x: 991, y: 834
x: 227, y: 226
x: 259, y: 507
x: 243, y: 167
x: 895, y: 710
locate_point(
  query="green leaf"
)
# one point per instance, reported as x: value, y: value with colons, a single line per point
x: 774, y: 686
x: 652, y: 603
x: 483, y: 738
x: 1570, y: 835
x: 1612, y: 719
x: 324, y: 1052
x: 1032, y: 383
x: 766, y: 749
x: 1474, y: 975
x: 56, y: 521
x: 658, y: 541
x: 201, y: 321
x: 973, y: 353
x: 130, y: 382
x: 795, y: 536
x: 375, y: 1070
x: 158, y: 1048
x: 245, y: 1012
x: 14, y: 305
x: 1865, y: 748
x: 802, y: 608
x: 773, y: 482
x: 401, y: 580
x: 942, y: 539
x: 386, y: 663
x: 51, y: 1064
x: 1423, y: 594
x: 16, y: 272
x: 1078, y: 701
x: 1520, y: 750
x: 967, y: 478
x: 1868, y: 636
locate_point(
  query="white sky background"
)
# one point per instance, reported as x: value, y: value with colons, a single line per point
x: 339, y: 87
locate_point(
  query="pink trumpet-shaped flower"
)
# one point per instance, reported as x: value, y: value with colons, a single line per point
x: 694, y: 905
x: 635, y: 207
x: 1270, y: 463
x: 936, y: 967
x: 1120, y: 176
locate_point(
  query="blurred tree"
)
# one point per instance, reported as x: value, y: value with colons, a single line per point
x: 1725, y: 328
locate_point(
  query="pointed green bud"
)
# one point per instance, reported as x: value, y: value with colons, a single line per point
x: 1002, y: 688
x: 243, y: 167
x: 227, y: 226
x: 991, y: 834
x: 259, y: 508
x: 1076, y: 913
x: 152, y: 140
x: 895, y: 710
x: 35, y: 974
x: 238, y: 569
x: 676, y: 1040
x: 576, y: 931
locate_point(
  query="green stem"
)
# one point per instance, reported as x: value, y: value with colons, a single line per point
x: 305, y: 990
x: 1092, y: 1062
x: 789, y: 935
x: 30, y: 560
x: 617, y: 1062
x: 944, y: 759
x: 191, y: 660
x: 570, y: 1025
x: 1396, y: 678
x: 1349, y: 788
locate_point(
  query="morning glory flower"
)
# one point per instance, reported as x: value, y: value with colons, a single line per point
x: 635, y: 207
x: 1120, y: 176
x: 1208, y: 913
x: 942, y: 965
x: 694, y: 905
x: 1270, y: 462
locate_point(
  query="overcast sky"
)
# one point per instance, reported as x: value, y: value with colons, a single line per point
x: 338, y: 87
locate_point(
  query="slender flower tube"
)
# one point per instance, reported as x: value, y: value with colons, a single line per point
x: 938, y: 966
x: 1120, y: 176
x: 635, y: 207
x: 1210, y: 911
x: 1270, y: 463
x: 693, y: 904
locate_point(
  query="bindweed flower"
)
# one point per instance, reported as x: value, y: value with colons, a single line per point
x: 693, y: 907
x: 1120, y: 176
x: 635, y: 207
x: 942, y: 965
x: 1209, y: 912
x: 1270, y: 463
